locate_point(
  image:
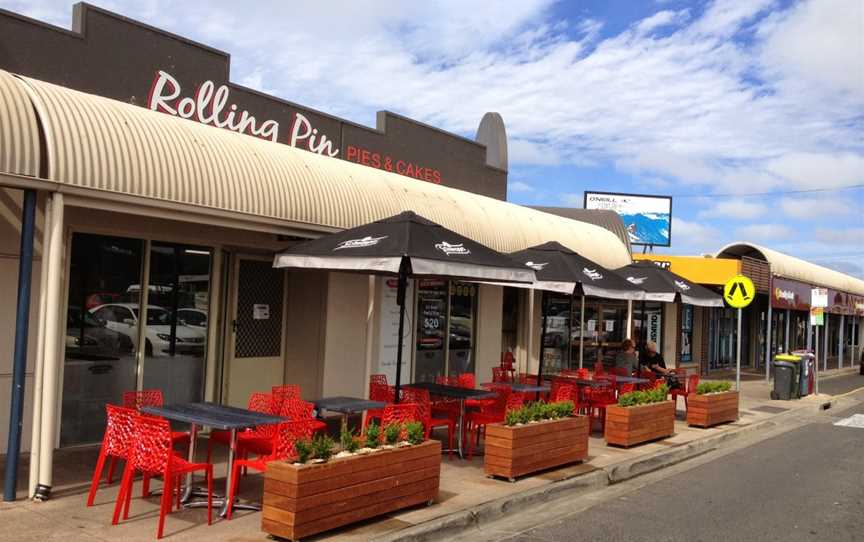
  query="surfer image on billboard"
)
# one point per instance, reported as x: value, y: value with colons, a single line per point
x: 648, y: 219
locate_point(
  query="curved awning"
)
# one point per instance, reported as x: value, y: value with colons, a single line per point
x: 101, y: 144
x: 794, y: 268
x: 19, y: 131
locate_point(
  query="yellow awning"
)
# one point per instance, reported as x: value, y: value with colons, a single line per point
x: 711, y: 271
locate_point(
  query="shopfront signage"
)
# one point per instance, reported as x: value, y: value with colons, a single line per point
x: 819, y: 297
x: 655, y: 325
x: 360, y: 243
x: 817, y: 316
x: 790, y: 294
x: 448, y: 249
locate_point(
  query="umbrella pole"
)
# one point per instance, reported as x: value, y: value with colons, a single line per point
x: 400, y: 300
x: 545, y: 308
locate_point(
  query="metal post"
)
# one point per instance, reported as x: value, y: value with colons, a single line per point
x: 816, y: 361
x: 582, y: 332
x: 400, y: 300
x: 768, y: 342
x: 629, y: 319
x: 19, y: 363
x: 544, y: 307
x: 738, y: 357
x: 840, y: 341
x: 786, y: 335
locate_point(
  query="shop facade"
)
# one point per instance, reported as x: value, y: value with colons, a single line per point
x: 155, y: 237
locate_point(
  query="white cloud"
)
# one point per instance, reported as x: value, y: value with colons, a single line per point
x: 847, y: 236
x: 519, y: 186
x: 816, y: 207
x: 693, y: 237
x: 764, y: 232
x: 572, y: 200
x: 659, y: 20
x: 735, y: 209
x: 821, y: 170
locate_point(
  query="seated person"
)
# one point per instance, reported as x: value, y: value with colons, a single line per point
x: 626, y: 358
x: 652, y: 360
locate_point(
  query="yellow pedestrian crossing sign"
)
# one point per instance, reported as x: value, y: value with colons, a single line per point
x: 739, y: 292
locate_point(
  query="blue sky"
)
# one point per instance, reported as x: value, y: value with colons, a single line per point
x: 707, y: 101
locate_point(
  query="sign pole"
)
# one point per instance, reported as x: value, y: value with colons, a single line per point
x: 738, y: 358
x: 816, y: 362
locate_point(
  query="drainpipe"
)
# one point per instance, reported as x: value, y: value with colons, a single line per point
x: 19, y: 357
x: 629, y: 319
x: 786, y: 335
x: 825, y: 342
x: 582, y: 332
x: 768, y: 338
x: 51, y: 370
x: 35, y: 432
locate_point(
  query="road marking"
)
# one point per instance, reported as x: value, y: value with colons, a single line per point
x: 855, y: 420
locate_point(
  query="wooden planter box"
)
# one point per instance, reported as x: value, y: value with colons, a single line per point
x: 626, y: 426
x: 513, y: 451
x: 302, y: 500
x: 712, y: 408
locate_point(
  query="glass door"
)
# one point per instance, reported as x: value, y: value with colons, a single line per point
x: 431, y: 323
x: 177, y: 319
x: 101, y: 333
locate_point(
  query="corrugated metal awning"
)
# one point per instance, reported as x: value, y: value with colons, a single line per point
x: 19, y: 131
x: 100, y: 144
x: 794, y: 268
x: 599, y: 217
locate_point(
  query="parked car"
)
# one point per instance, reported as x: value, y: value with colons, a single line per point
x: 123, y: 318
x: 192, y: 317
x: 88, y: 338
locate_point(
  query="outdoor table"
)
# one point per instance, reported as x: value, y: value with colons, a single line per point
x: 520, y: 388
x: 214, y: 416
x: 454, y: 392
x: 346, y: 406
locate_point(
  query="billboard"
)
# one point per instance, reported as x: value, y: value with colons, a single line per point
x: 648, y: 219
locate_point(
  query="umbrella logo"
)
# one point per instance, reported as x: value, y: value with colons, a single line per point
x: 360, y: 243
x: 682, y: 285
x: 537, y: 266
x: 449, y: 249
x: 636, y: 280
x: 592, y: 274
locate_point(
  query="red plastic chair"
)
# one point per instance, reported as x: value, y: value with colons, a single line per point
x: 508, y: 363
x: 599, y: 398
x: 150, y: 398
x: 115, y: 444
x: 298, y: 410
x: 599, y: 368
x: 400, y: 414
x: 379, y: 392
x: 499, y: 375
x: 378, y: 379
x: 283, y: 393
x: 626, y: 388
x: 563, y: 391
x: 424, y: 412
x: 689, y: 387
x: 151, y: 454
x: 445, y: 380
x: 620, y: 371
x: 583, y: 373
x: 286, y: 434
x: 259, y: 401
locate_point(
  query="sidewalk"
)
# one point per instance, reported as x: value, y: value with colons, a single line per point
x: 464, y: 488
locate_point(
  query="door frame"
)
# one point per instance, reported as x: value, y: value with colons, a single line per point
x: 231, y: 265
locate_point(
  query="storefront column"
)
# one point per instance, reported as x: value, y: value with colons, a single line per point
x: 768, y: 342
x: 786, y: 335
x: 629, y: 319
x: 840, y: 341
x: 35, y: 432
x: 825, y: 342
x: 809, y: 345
x: 52, y: 353
x: 582, y: 332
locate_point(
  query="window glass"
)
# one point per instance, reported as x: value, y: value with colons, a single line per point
x: 431, y: 323
x: 556, y: 352
x: 460, y: 342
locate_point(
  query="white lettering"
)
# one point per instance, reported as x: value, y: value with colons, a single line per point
x: 158, y: 101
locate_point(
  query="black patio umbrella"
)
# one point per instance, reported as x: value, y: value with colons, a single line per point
x: 562, y: 270
x: 663, y: 285
x: 409, y: 246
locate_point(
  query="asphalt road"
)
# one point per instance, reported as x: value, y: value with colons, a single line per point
x: 805, y: 484
x: 841, y: 384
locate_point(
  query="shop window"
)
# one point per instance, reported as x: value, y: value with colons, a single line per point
x: 446, y: 316
x: 510, y: 320
x: 556, y: 344
x: 686, y: 333
x: 460, y: 341
x: 101, y: 333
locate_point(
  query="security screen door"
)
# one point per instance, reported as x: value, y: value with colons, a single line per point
x: 256, y: 334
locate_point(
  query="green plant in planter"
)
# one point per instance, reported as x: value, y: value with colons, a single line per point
x: 347, y: 441
x: 391, y: 433
x: 713, y: 387
x: 373, y: 435
x: 323, y: 447
x: 563, y: 409
x: 511, y: 417
x: 644, y: 397
x: 304, y: 450
x: 416, y: 432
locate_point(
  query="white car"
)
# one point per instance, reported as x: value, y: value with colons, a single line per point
x: 123, y: 318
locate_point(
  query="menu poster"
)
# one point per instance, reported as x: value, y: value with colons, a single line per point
x: 432, y: 307
x: 388, y: 338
